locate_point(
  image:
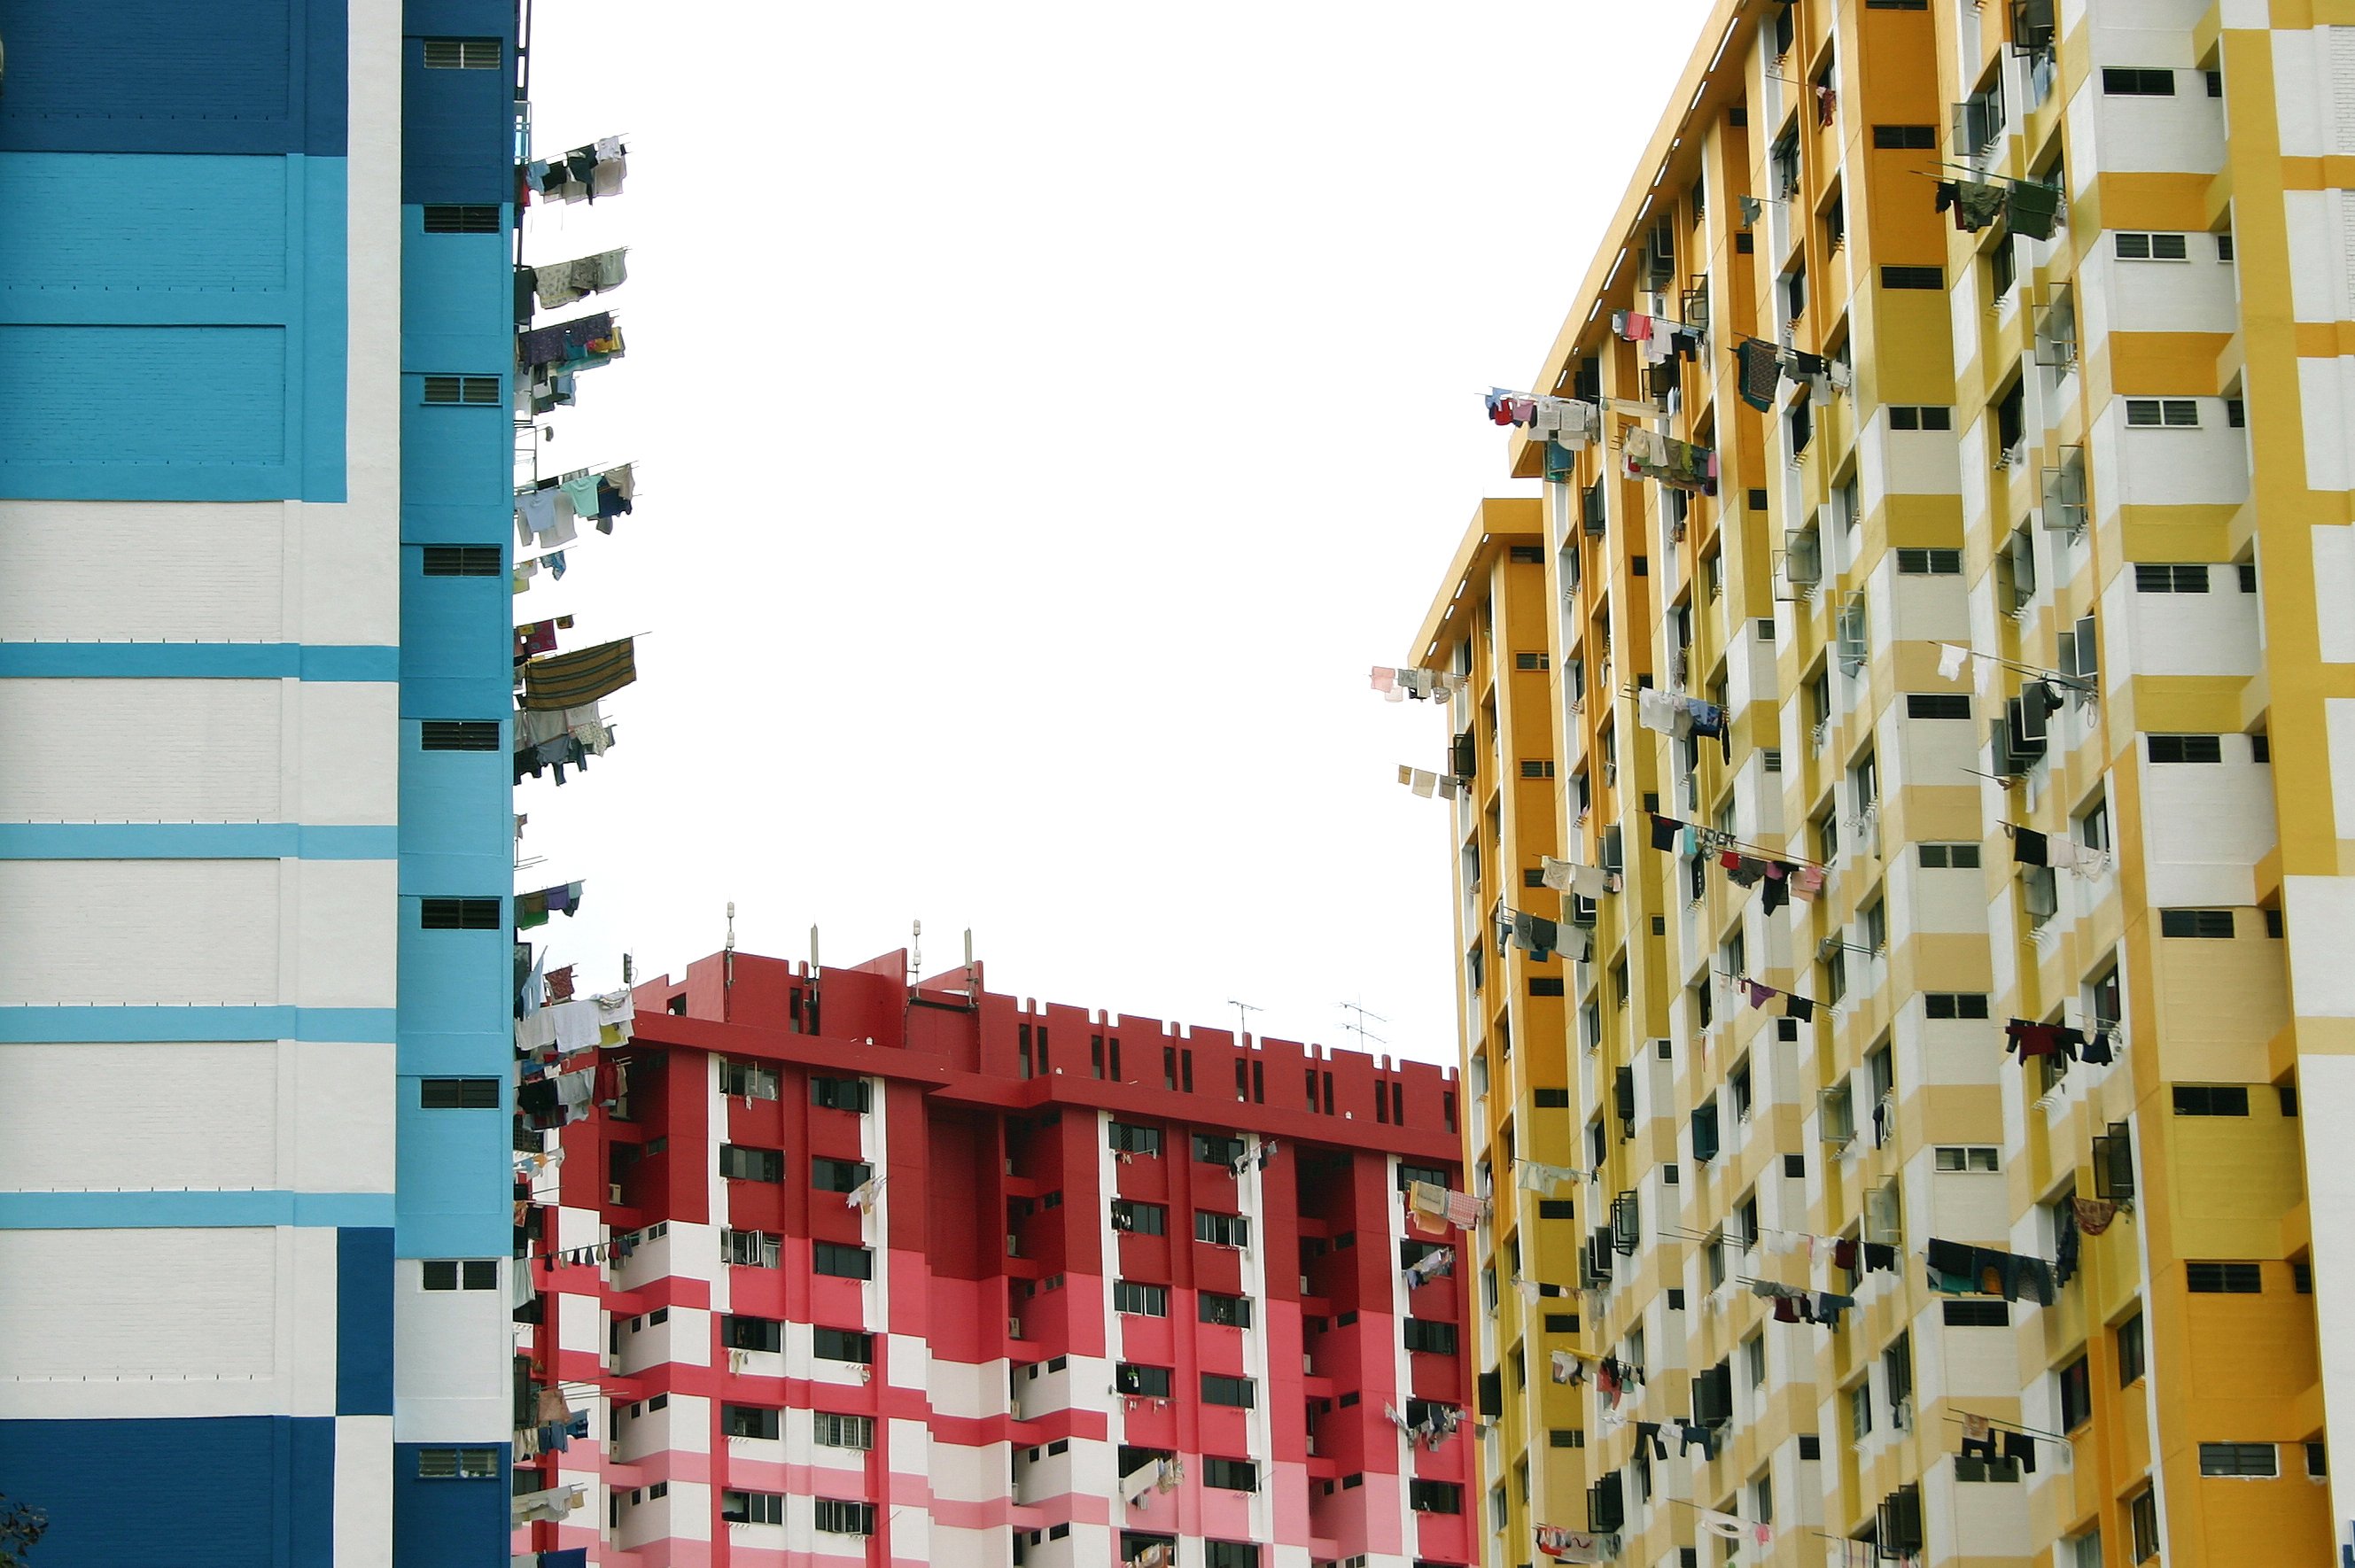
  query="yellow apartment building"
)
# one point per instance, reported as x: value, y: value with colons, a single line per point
x: 1938, y: 618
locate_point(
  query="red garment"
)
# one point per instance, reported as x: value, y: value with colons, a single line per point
x: 1729, y: 860
x: 2034, y: 1040
x: 1844, y: 1253
x: 560, y: 983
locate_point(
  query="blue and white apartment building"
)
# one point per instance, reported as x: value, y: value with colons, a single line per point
x: 256, y: 957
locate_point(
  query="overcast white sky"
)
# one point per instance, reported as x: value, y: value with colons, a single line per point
x: 1045, y: 414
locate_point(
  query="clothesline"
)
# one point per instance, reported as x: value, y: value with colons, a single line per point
x: 1812, y: 1005
x: 1727, y: 840
x: 2075, y: 683
x: 2002, y: 1425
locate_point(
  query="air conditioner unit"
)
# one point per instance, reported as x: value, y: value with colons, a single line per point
x: 1014, y: 1327
x: 613, y: 1193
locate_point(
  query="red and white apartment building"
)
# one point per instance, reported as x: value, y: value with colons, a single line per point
x: 844, y: 1269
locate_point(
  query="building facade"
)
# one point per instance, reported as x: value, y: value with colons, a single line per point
x: 842, y: 1268
x: 255, y: 670
x: 1929, y: 630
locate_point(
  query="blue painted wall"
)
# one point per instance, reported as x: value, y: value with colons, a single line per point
x: 444, y: 156
x: 173, y: 328
x: 457, y: 633
x: 166, y: 76
x: 364, y: 1321
x: 445, y: 1524
x: 229, y: 1492
x: 457, y: 297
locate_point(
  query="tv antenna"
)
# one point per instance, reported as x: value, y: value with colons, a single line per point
x: 1359, y: 1028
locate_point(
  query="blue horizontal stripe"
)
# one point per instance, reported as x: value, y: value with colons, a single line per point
x: 360, y: 1026
x: 194, y: 841
x: 214, y: 661
x: 157, y: 1210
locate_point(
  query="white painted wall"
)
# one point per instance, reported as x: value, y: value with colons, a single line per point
x: 271, y: 1115
x: 451, y: 1371
x: 152, y: 1305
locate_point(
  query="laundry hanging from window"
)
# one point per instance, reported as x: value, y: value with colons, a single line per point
x: 568, y: 680
x: 577, y: 345
x: 1426, y: 782
x: 1423, y: 685
x: 562, y: 283
x: 584, y: 173
x: 1570, y: 423
x: 1648, y: 454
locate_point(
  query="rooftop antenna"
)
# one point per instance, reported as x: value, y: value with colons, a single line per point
x: 1243, y: 1016
x: 728, y: 953
x: 1359, y: 1028
x: 916, y: 941
x: 629, y: 970
x: 972, y: 991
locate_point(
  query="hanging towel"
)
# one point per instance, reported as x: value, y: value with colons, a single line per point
x: 1950, y: 659
x: 567, y: 680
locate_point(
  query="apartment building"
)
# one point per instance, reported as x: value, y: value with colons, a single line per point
x: 254, y: 823
x: 1928, y: 619
x: 841, y: 1267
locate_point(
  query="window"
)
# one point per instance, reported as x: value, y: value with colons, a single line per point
x: 1229, y: 1475
x: 461, y: 1273
x: 2247, y: 1460
x: 468, y: 219
x: 1905, y: 138
x: 1532, y: 661
x: 474, y: 391
x: 830, y: 1431
x: 2142, y: 1513
x: 1435, y: 1496
x: 1430, y: 1337
x: 1966, y: 1158
x: 1128, y: 1138
x: 738, y: 1163
x: 1937, y: 705
x: 2213, y: 924
x: 1989, y: 1314
x: 1229, y: 1553
x: 1536, y: 768
x: 1954, y: 1004
x: 2135, y: 247
x: 2223, y: 1279
x: 2317, y: 1460
x: 1212, y: 1149
x: 458, y: 1094
x: 2184, y: 748
x: 1230, y: 1311
x: 2133, y: 81
x: 752, y: 1333
x: 1541, y: 986
x: 840, y: 1174
x: 1978, y: 1467
x: 1873, y: 925
x: 459, y: 735
x: 2076, y: 1396
x: 2171, y: 577
x: 1143, y: 1382
x: 835, y: 1516
x: 748, y: 1420
x: 462, y: 561
x: 752, y: 1507
x: 748, y: 1081
x: 2128, y: 1335
x: 1139, y: 1299
x: 458, y: 915
x: 842, y: 1345
x: 1222, y: 1229
x: 840, y: 1093
x: 1139, y: 1218
x: 1933, y: 278
x: 457, y: 1464
x: 2175, y: 413
x: 1217, y: 1389
x: 1950, y: 857
x: 752, y: 1248
x: 2211, y: 1100
x: 841, y: 1262
x: 1437, y: 1176
x: 1930, y: 562
x: 1753, y: 1359
x: 1859, y: 1410
x: 461, y: 54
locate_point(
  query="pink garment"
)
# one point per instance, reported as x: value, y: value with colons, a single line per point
x: 1385, y: 678
x: 1807, y: 881
x: 1758, y: 993
x: 1639, y: 329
